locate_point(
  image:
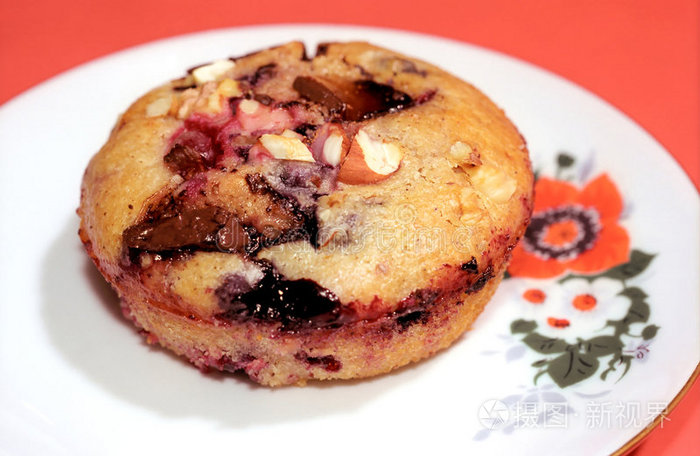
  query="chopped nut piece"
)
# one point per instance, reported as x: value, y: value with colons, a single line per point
x: 212, y: 71
x: 286, y: 148
x: 463, y: 155
x: 248, y: 106
x: 209, y: 98
x: 187, y: 101
x: 287, y: 133
x: 226, y: 89
x: 333, y: 149
x: 159, y: 107
x: 197, y: 99
x: 330, y: 144
x: 492, y: 183
x: 229, y: 88
x: 369, y: 160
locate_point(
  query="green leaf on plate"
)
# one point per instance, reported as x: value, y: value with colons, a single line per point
x: 564, y: 160
x: 568, y: 277
x: 637, y: 313
x: 572, y: 367
x: 620, y: 326
x: 522, y: 326
x: 611, y: 367
x: 602, y: 345
x: 538, y: 375
x: 649, y: 332
x: 546, y: 345
x: 634, y: 293
x: 539, y: 363
x: 627, y: 361
x: 637, y: 263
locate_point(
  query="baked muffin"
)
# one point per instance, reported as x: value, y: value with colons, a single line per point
x: 303, y: 218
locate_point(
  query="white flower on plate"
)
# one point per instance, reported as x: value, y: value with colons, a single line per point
x: 573, y: 309
x: 589, y: 305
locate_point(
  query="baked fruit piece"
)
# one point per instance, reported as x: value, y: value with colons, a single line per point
x: 297, y: 218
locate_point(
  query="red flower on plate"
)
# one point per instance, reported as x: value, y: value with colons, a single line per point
x: 572, y: 229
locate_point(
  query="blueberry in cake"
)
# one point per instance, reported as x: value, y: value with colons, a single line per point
x: 301, y: 218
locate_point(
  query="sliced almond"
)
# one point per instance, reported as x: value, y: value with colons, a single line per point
x: 286, y: 148
x: 212, y: 71
x: 463, y: 155
x: 330, y: 144
x: 335, y: 147
x: 369, y: 160
x: 493, y: 183
x: 196, y: 99
x: 229, y: 88
x: 210, y: 98
x: 187, y: 100
x: 226, y: 89
x: 248, y: 106
x: 159, y: 107
x: 287, y: 133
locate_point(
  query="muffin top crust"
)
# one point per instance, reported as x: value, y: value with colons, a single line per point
x: 307, y: 191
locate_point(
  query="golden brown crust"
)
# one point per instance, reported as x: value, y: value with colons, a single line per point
x: 444, y: 221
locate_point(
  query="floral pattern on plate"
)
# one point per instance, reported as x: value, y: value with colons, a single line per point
x: 581, y: 312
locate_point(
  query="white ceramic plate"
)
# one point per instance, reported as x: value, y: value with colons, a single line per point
x: 76, y: 378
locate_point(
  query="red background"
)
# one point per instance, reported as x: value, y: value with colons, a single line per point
x: 643, y: 56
